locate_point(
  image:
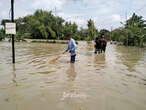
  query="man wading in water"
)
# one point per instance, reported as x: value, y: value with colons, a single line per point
x: 71, y: 48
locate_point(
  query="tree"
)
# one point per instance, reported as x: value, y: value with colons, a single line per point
x: 135, y: 20
x: 91, y: 30
x: 83, y: 33
x: 133, y: 33
x: 52, y: 34
x: 105, y: 32
x: 44, y: 25
x: 1, y: 34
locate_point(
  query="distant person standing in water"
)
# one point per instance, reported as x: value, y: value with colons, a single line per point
x: 103, y: 43
x: 97, y: 45
x: 72, y: 46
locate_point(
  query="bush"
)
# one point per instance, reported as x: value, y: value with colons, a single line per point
x: 2, y: 36
x: 88, y: 38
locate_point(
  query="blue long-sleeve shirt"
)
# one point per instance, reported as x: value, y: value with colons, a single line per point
x: 72, y: 47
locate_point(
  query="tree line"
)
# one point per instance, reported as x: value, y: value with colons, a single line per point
x: 133, y: 32
x: 44, y: 25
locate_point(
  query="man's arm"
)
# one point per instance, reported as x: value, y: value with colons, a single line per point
x: 66, y: 50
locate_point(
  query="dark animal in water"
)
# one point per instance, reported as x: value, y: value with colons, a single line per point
x: 100, y: 45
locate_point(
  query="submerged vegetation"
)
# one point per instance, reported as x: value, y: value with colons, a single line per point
x: 44, y: 25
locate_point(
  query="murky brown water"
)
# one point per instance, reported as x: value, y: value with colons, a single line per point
x: 112, y: 81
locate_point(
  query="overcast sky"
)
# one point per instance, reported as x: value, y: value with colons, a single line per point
x: 105, y: 13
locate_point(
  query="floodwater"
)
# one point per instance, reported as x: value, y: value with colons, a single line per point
x: 115, y: 80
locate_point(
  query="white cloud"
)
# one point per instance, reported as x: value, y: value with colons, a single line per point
x: 77, y: 18
x: 116, y: 17
x: 48, y: 4
x: 104, y: 13
x: 4, y: 13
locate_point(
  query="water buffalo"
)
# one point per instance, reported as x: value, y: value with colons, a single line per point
x: 100, y: 45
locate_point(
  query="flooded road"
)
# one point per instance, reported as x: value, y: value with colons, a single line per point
x: 115, y: 80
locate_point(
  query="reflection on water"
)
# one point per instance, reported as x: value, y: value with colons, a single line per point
x: 130, y: 56
x: 71, y: 72
x: 99, y: 61
x: 14, y: 75
x: 111, y: 81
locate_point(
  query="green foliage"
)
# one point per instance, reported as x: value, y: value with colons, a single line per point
x: 91, y: 30
x: 5, y: 21
x: 52, y: 34
x: 104, y: 32
x: 19, y: 37
x: 26, y: 35
x: 83, y: 34
x: 44, y: 25
x: 133, y: 33
x: 2, y: 36
x: 72, y: 29
x: 135, y: 20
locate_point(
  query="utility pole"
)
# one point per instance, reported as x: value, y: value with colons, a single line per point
x: 12, y: 20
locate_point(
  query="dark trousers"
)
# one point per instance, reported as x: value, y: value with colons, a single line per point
x: 72, y: 60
